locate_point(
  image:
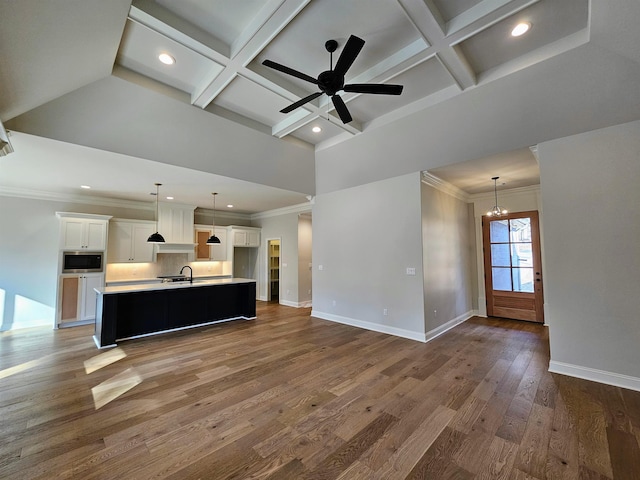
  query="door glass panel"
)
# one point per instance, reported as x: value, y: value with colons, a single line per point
x: 522, y: 279
x: 521, y: 255
x: 500, y: 255
x: 499, y: 231
x: 520, y: 229
x: 501, y: 279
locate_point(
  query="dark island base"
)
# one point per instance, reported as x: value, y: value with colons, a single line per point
x: 133, y: 314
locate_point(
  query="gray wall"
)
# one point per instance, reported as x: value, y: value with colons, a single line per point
x: 591, y: 201
x: 364, y: 238
x: 448, y: 259
x: 284, y: 227
x: 29, y: 256
x: 118, y: 116
x: 305, y: 244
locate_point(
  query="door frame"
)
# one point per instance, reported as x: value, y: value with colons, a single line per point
x: 537, y: 251
x: 268, y: 271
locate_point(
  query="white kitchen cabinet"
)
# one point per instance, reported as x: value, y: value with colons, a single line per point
x: 128, y: 241
x: 83, y: 232
x: 217, y: 252
x: 77, y: 297
x: 245, y: 236
x: 175, y: 222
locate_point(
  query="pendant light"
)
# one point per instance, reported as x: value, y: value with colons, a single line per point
x: 213, y: 240
x: 156, y: 237
x: 497, y: 210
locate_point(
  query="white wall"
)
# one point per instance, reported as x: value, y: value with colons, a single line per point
x: 364, y: 238
x: 448, y: 259
x: 591, y: 200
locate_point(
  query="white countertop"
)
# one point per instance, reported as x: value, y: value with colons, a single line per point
x: 171, y: 285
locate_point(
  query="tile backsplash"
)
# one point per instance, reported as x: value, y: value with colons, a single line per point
x: 166, y: 264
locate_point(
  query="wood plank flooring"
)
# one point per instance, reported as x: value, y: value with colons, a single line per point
x: 288, y: 396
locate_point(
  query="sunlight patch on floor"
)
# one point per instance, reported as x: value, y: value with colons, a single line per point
x: 103, y: 359
x: 114, y: 387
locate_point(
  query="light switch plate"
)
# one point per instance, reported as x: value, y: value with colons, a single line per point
x: 411, y: 271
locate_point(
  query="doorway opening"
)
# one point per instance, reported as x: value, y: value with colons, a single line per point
x: 512, y: 266
x: 273, y: 261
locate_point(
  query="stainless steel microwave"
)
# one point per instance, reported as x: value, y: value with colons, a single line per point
x: 82, y: 262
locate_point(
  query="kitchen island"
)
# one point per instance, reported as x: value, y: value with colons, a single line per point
x: 131, y: 311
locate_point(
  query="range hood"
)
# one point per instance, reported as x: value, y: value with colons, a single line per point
x: 175, y: 247
x: 175, y: 223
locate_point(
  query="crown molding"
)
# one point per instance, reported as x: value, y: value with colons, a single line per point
x: 507, y: 192
x: 300, y: 208
x: 222, y: 214
x: 445, y: 187
x: 73, y: 198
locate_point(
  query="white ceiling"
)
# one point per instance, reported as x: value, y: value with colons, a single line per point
x: 437, y: 49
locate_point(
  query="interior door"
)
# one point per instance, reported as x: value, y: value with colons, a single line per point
x: 512, y: 266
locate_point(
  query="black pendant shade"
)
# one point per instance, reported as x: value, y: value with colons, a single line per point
x: 213, y: 240
x: 155, y: 238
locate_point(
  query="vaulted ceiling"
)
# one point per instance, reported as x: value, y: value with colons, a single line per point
x: 436, y: 49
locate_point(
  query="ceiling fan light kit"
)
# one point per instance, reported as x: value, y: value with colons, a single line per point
x: 331, y: 81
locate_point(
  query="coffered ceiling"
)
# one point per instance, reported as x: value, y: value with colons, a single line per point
x: 72, y: 70
x: 435, y: 48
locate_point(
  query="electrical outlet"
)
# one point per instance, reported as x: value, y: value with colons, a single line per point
x: 320, y: 267
x: 385, y: 311
x: 288, y: 291
x: 435, y: 314
x: 334, y: 303
x: 411, y: 271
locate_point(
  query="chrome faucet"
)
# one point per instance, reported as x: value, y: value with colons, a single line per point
x: 190, y: 272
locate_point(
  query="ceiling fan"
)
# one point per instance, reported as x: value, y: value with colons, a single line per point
x: 332, y: 81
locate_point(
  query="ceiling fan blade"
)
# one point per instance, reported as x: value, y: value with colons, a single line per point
x: 341, y: 108
x: 382, y: 89
x: 349, y: 54
x: 301, y: 102
x: 289, y: 71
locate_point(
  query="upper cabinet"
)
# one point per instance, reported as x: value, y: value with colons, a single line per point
x: 80, y: 231
x: 128, y: 241
x: 245, y: 236
x: 217, y: 252
x: 175, y: 222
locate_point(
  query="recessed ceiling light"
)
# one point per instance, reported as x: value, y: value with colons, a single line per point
x: 229, y: 206
x: 520, y: 29
x: 166, y: 59
x: 316, y: 129
x: 85, y: 186
x: 169, y: 198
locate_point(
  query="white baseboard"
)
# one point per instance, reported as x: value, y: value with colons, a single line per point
x: 296, y: 304
x: 595, y: 375
x: 398, y: 332
x: 431, y: 334
x: 376, y: 327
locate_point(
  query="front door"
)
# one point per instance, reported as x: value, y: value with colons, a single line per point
x: 512, y: 266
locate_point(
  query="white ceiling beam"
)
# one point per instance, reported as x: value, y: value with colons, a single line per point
x: 454, y: 61
x: 269, y: 28
x: 429, y: 24
x: 161, y: 20
x: 482, y: 16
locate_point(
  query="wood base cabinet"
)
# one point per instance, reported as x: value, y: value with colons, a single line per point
x: 77, y: 297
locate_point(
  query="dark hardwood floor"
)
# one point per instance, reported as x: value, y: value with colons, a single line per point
x: 292, y: 397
